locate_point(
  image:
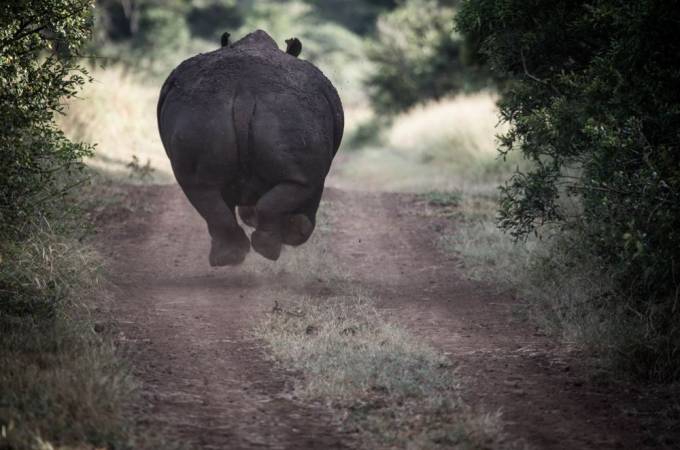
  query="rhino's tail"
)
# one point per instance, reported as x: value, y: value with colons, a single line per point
x: 242, y: 112
x: 167, y: 86
x: 337, y: 113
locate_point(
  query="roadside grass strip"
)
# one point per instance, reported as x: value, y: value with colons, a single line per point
x: 385, y: 384
x: 61, y: 383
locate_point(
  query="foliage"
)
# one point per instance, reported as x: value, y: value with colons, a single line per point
x: 39, y: 41
x: 142, y: 32
x: 439, y: 145
x: 359, y: 16
x: 152, y: 36
x: 159, y: 25
x: 335, y: 50
x: 210, y: 18
x: 590, y: 92
x: 417, y: 57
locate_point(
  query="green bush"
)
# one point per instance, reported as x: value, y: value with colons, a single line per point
x: 148, y: 34
x: 335, y: 50
x: 152, y: 36
x: 359, y: 16
x: 161, y: 29
x: 590, y: 92
x: 208, y: 19
x: 39, y: 41
x: 417, y: 57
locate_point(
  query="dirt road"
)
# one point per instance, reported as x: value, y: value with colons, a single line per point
x: 208, y: 382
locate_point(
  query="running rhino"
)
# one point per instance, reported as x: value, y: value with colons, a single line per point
x: 249, y: 125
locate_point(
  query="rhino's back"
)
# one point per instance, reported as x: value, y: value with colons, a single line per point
x: 215, y: 79
x: 223, y: 73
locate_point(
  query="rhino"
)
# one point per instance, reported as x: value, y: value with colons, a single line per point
x: 252, y: 127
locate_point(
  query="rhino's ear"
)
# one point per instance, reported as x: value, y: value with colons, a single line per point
x: 293, y: 46
x: 225, y: 39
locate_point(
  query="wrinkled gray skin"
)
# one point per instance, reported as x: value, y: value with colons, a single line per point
x: 251, y: 126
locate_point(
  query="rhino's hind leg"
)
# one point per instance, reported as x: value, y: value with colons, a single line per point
x: 229, y: 243
x: 273, y: 211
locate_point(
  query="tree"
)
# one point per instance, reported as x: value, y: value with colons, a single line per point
x: 359, y: 16
x: 417, y: 57
x: 590, y: 91
x: 39, y: 43
x: 150, y: 29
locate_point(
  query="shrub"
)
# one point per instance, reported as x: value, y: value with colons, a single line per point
x: 335, y: 50
x: 590, y: 92
x: 357, y: 15
x: 146, y: 34
x: 210, y: 18
x: 39, y: 41
x: 417, y: 57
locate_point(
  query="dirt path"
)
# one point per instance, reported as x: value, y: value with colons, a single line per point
x: 542, y: 389
x: 208, y: 382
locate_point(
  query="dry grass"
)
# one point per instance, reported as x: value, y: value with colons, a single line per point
x: 60, y: 381
x: 562, y: 285
x: 118, y: 113
x: 445, y: 145
x: 397, y: 391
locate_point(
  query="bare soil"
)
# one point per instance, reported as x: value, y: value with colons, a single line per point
x: 209, y: 384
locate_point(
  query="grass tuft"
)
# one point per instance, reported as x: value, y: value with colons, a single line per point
x: 397, y: 391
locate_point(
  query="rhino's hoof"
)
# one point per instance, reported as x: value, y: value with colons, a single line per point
x: 297, y: 230
x: 227, y: 253
x: 266, y: 244
x: 226, y: 259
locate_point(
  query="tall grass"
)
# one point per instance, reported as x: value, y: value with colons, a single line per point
x: 117, y: 112
x: 446, y: 145
x: 568, y: 291
x: 60, y: 382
